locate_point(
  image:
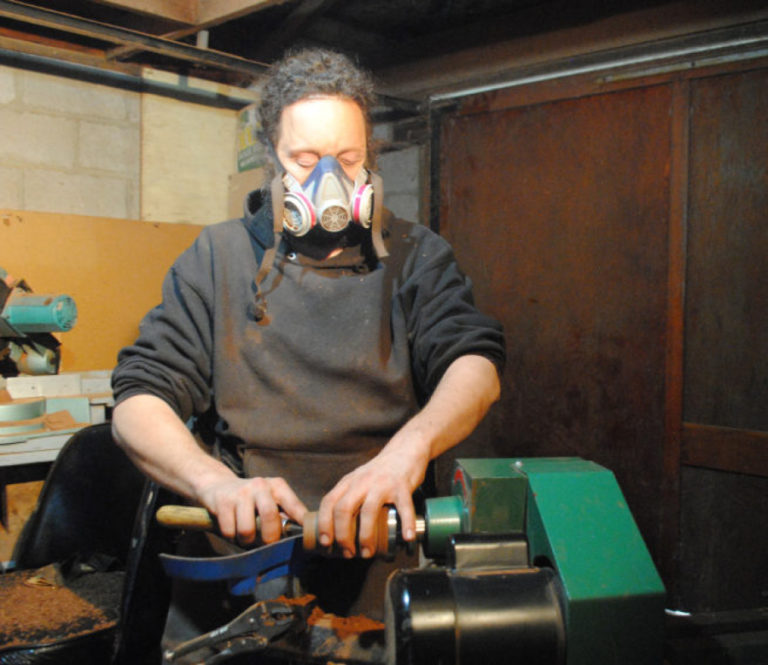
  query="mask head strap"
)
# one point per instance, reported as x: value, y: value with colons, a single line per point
x: 378, y: 205
x: 268, y: 258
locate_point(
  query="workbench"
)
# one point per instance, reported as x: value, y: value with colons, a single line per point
x: 26, y: 457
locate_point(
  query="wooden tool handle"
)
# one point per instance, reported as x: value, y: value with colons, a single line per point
x: 311, y: 541
x: 186, y: 517
x: 192, y: 518
x: 199, y: 519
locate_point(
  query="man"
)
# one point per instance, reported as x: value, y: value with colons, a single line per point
x: 335, y: 357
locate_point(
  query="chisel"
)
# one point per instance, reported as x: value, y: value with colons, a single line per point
x: 199, y: 519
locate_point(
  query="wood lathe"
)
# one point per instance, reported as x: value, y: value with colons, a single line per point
x: 528, y: 560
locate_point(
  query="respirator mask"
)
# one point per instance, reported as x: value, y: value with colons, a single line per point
x: 328, y: 201
x: 319, y: 213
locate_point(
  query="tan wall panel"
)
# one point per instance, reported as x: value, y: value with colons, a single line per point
x: 187, y: 155
x: 112, y: 268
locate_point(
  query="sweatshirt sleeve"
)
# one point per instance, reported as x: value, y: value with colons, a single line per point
x: 171, y: 358
x: 442, y: 319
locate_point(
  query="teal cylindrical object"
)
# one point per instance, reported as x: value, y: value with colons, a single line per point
x: 33, y: 313
x: 443, y: 518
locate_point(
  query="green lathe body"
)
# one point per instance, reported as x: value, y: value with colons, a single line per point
x: 576, y: 521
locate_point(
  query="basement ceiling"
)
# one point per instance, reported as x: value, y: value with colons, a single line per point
x: 233, y: 40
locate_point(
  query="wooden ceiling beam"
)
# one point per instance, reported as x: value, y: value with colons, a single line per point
x: 180, y: 11
x: 96, y: 30
x: 122, y: 52
x: 197, y: 14
x: 21, y: 38
x: 512, y: 58
x: 14, y: 41
x: 215, y: 12
x: 207, y: 14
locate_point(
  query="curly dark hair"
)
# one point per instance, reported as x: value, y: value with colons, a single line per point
x: 312, y: 72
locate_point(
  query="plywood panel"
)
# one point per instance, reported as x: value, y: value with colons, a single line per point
x: 725, y: 449
x: 724, y: 511
x: 559, y: 212
x: 567, y: 204
x: 187, y: 155
x: 726, y: 362
x: 724, y: 541
x: 112, y: 268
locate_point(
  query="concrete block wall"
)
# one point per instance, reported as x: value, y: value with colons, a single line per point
x: 401, y: 170
x: 74, y: 147
x: 68, y: 146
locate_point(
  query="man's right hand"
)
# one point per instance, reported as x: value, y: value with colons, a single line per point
x: 237, y: 501
x: 159, y: 443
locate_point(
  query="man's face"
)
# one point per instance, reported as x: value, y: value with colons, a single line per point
x: 321, y: 126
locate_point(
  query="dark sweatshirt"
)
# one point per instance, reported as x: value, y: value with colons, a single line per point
x: 349, y: 349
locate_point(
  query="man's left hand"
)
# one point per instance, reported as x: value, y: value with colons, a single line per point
x: 349, y: 512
